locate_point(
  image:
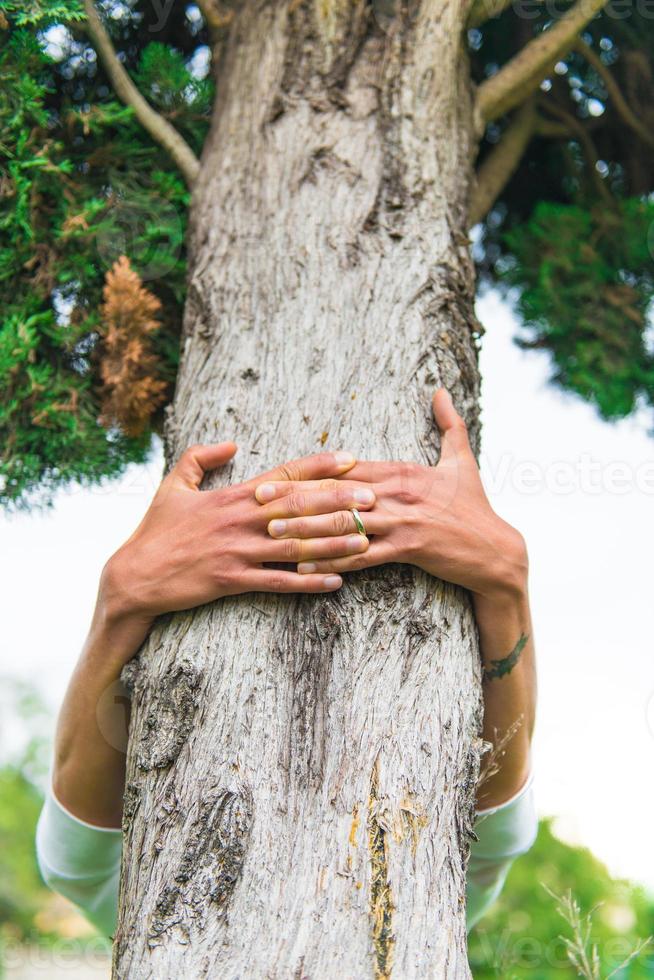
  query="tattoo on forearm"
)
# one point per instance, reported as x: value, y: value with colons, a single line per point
x: 504, y: 666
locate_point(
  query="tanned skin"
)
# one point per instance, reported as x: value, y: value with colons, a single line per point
x: 196, y: 547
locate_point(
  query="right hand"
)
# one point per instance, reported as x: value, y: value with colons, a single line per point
x: 193, y: 547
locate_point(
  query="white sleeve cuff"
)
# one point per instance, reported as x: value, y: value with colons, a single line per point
x: 71, y: 847
x: 506, y: 830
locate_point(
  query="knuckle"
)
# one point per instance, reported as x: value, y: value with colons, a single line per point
x: 291, y: 549
x: 288, y: 471
x: 343, y: 498
x: 189, y: 453
x: 298, y: 528
x: 329, y: 484
x: 342, y: 521
x: 275, y: 582
x: 297, y: 503
x: 408, y: 496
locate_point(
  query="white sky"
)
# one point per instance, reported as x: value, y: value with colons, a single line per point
x: 581, y: 492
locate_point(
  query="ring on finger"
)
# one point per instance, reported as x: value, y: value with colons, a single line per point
x: 360, y: 526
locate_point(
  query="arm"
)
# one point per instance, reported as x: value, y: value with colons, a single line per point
x: 191, y: 548
x: 440, y: 519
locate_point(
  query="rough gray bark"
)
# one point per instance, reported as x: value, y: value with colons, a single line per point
x: 301, y: 771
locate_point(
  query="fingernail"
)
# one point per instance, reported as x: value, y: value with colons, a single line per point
x: 277, y: 528
x: 355, y: 542
x: 333, y: 582
x: 364, y: 496
x: 265, y: 492
x: 306, y: 567
x: 344, y: 459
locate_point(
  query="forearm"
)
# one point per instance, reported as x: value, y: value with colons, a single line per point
x: 509, y: 684
x: 89, y: 757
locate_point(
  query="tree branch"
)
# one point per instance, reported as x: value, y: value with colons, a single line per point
x: 215, y: 17
x: 521, y: 76
x: 621, y: 105
x: 483, y: 10
x: 502, y: 162
x: 578, y: 132
x: 159, y: 128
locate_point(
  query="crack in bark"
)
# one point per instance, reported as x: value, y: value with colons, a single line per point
x: 381, y: 899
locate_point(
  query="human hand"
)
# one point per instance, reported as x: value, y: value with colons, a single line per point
x: 437, y: 518
x: 194, y: 547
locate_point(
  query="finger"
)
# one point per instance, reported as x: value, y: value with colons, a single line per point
x: 379, y: 553
x: 311, y: 549
x: 341, y: 522
x: 377, y: 472
x: 301, y: 504
x: 273, y: 580
x: 315, y: 467
x: 265, y: 492
x: 454, y: 434
x: 198, y: 460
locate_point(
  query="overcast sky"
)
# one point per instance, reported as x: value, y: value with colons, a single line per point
x: 581, y: 491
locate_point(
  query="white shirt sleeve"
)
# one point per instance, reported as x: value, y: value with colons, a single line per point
x: 81, y: 862
x: 505, y: 832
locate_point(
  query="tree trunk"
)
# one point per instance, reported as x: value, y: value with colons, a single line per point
x: 301, y: 770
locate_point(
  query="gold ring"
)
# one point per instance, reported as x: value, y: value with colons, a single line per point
x: 361, y: 527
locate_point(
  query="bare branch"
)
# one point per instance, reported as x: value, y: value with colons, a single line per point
x: 579, y: 132
x: 159, y: 128
x: 502, y: 161
x: 621, y: 105
x: 521, y: 76
x: 552, y: 130
x: 483, y: 10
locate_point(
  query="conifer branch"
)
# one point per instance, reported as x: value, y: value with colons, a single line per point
x: 522, y: 75
x: 502, y: 161
x: 131, y: 388
x: 620, y: 104
x: 159, y: 128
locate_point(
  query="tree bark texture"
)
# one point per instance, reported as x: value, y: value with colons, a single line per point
x: 301, y: 770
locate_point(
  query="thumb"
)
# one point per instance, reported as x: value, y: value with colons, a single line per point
x: 454, y: 435
x: 198, y: 460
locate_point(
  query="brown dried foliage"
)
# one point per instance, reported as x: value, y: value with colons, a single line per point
x: 130, y: 371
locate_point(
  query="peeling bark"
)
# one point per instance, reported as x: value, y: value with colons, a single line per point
x: 301, y: 770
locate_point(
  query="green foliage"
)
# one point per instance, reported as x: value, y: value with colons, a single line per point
x: 80, y: 184
x: 573, y: 225
x: 22, y: 893
x: 521, y: 937
x: 26, y: 727
x: 586, y: 278
x: 42, y: 13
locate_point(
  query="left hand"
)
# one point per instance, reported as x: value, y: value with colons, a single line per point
x: 437, y: 518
